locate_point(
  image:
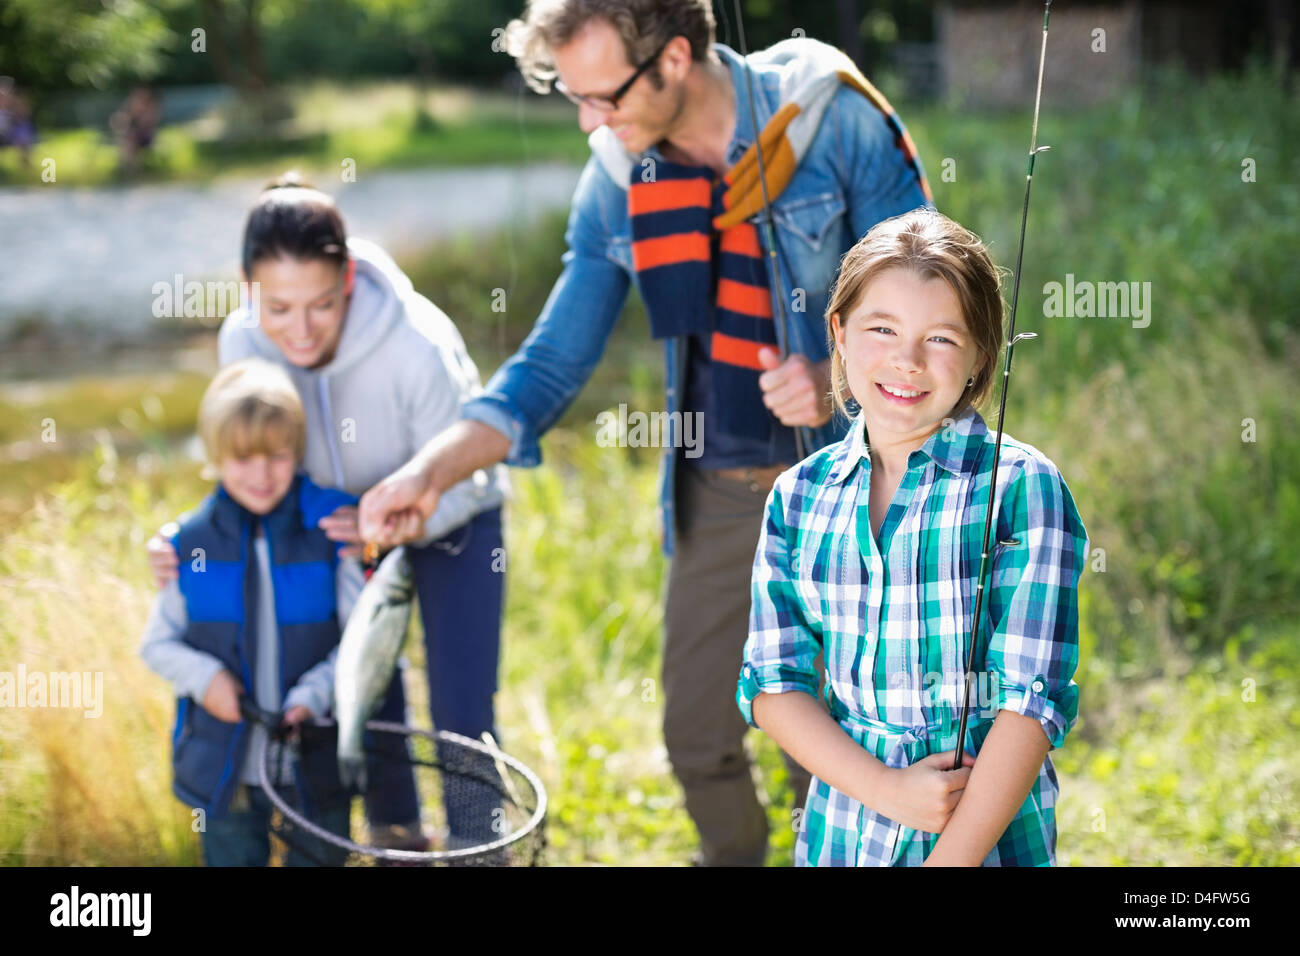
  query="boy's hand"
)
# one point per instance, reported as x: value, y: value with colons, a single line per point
x: 342, y: 525
x: 221, y: 699
x: 163, y: 560
x: 924, y: 795
x: 296, y: 715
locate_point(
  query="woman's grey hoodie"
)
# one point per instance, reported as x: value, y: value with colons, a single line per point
x: 398, y: 377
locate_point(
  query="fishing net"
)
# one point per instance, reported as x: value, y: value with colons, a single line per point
x: 481, y: 807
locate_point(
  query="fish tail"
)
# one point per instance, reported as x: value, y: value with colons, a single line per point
x: 352, y: 772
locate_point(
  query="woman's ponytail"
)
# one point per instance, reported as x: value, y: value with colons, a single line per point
x: 292, y: 218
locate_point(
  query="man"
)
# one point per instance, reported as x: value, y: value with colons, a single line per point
x: 667, y: 111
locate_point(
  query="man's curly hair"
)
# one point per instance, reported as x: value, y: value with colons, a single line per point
x: 644, y: 25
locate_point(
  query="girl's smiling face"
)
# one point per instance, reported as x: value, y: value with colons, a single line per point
x: 908, y: 354
x: 303, y: 305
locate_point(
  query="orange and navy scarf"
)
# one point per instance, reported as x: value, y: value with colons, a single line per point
x: 722, y: 294
x: 697, y: 279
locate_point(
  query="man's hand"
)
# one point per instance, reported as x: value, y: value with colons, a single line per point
x: 395, y: 510
x: 163, y: 561
x: 342, y: 525
x: 797, y: 390
x: 221, y: 699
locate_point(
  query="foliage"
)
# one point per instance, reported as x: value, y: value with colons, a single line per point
x: 84, y: 43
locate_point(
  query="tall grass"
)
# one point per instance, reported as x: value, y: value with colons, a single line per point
x: 580, y: 699
x: 76, y: 789
x: 1176, y: 766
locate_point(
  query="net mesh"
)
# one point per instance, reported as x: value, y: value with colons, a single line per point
x: 479, y: 806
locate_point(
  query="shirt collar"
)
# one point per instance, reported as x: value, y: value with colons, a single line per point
x: 955, y: 447
x: 743, y: 136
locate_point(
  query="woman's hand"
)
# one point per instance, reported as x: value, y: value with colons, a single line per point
x: 221, y: 699
x: 395, y: 510
x: 343, y: 525
x: 163, y: 561
x: 924, y: 795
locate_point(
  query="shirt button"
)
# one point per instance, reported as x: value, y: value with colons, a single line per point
x: 1037, y: 686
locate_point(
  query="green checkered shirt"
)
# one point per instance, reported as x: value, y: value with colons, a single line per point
x: 893, y: 618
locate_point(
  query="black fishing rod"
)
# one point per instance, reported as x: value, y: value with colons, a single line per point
x: 1034, y: 150
x: 775, y: 275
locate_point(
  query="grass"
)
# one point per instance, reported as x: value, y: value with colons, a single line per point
x: 1192, y: 767
x: 1189, y: 655
x: 373, y: 125
x: 1176, y: 766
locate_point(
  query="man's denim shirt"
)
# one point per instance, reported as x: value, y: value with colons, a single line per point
x: 852, y: 177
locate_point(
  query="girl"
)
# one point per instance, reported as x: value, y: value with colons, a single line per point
x: 869, y: 553
x: 381, y: 370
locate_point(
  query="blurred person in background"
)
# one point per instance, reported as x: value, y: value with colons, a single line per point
x: 134, y: 125
x: 16, y: 126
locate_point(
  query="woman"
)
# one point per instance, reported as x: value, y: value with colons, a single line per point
x: 380, y: 370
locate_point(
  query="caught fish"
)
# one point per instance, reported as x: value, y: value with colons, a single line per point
x: 367, y: 657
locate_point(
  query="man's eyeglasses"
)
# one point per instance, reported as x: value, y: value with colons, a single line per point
x: 607, y: 104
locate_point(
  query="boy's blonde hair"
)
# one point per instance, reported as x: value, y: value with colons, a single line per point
x: 250, y: 408
x: 932, y: 246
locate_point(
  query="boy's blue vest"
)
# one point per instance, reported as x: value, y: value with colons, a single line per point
x: 220, y: 587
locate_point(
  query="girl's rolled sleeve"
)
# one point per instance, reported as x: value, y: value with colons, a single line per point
x: 1034, y: 649
x: 783, y: 639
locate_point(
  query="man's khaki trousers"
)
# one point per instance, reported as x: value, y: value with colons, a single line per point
x: 706, y: 623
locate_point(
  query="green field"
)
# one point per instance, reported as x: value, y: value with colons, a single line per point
x: 1179, y: 441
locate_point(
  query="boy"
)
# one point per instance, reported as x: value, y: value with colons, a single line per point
x: 257, y: 610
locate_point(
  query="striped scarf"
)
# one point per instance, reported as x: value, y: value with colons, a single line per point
x: 688, y: 290
x: 674, y: 220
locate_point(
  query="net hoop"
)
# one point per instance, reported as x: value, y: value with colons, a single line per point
x: 414, y: 856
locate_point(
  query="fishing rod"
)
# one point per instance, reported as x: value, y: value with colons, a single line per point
x: 778, y: 295
x: 1034, y: 150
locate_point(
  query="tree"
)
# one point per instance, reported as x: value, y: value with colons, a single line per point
x: 55, y: 44
x: 418, y: 22
x: 234, y: 35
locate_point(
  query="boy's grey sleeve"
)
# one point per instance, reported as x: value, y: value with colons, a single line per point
x: 163, y: 649
x: 315, y: 689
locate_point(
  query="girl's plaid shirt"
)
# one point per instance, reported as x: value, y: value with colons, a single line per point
x: 893, y: 618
